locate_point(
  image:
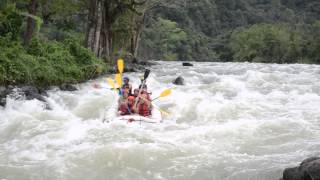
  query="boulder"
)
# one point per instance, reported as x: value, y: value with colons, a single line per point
x: 68, y: 87
x: 292, y: 174
x: 3, y: 95
x: 4, y: 92
x: 309, y: 169
x: 179, y: 81
x: 145, y: 63
x: 309, y: 160
x: 29, y: 90
x: 187, y: 64
x: 32, y: 93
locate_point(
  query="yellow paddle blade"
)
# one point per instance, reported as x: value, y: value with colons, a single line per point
x: 111, y: 83
x: 119, y: 79
x: 164, y: 112
x: 120, y: 63
x: 165, y: 93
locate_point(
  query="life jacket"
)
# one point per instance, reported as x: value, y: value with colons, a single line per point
x: 148, y: 95
x: 125, y: 109
x: 144, y: 110
x: 131, y: 99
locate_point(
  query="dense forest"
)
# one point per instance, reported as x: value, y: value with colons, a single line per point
x: 45, y: 42
x: 277, y: 31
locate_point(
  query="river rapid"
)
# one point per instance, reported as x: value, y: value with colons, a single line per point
x: 231, y: 121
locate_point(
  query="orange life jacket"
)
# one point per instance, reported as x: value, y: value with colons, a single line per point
x: 124, y: 110
x: 144, y: 110
x: 148, y: 95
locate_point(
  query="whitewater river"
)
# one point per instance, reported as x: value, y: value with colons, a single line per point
x: 233, y: 121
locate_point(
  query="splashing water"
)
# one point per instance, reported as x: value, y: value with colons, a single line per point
x: 230, y: 121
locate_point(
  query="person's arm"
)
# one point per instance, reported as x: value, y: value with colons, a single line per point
x: 130, y: 89
x: 147, y: 102
x: 136, y: 108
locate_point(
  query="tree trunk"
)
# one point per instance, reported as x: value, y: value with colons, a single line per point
x: 98, y: 30
x: 94, y: 26
x: 32, y: 9
x: 102, y: 16
x: 132, y: 44
x: 104, y: 47
x: 137, y: 36
x: 91, y: 24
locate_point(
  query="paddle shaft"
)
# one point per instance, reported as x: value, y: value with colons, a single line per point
x: 140, y: 90
x: 146, y: 74
x: 156, y: 98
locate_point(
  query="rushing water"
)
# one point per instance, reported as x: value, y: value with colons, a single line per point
x: 230, y: 121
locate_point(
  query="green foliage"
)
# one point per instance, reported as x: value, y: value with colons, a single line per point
x: 314, y: 45
x: 61, y: 13
x: 44, y: 64
x: 3, y: 4
x: 166, y: 37
x: 10, y: 21
x: 44, y: 61
x: 277, y: 44
x: 267, y: 43
x: 210, y: 24
x: 123, y: 30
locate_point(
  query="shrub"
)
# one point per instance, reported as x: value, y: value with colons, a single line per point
x: 46, y: 63
x: 267, y: 43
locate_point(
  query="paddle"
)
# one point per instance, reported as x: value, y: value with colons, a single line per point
x: 145, y: 76
x: 120, y: 64
x: 162, y: 111
x: 111, y: 83
x: 119, y: 80
x: 163, y: 94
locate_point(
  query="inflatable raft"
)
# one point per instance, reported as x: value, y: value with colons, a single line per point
x: 155, y: 118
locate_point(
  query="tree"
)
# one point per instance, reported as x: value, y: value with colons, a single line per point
x: 267, y: 43
x: 10, y: 21
x: 103, y: 14
x: 314, y: 43
x: 139, y: 21
x: 166, y: 38
x: 32, y: 10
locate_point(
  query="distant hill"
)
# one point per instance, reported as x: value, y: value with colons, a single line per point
x: 210, y: 23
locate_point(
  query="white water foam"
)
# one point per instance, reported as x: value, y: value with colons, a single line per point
x: 230, y: 121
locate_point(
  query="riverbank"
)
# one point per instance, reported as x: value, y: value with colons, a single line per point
x: 43, y: 64
x: 35, y: 67
x: 29, y: 71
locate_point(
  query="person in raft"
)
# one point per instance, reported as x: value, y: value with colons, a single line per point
x: 143, y: 107
x: 126, y: 85
x: 127, y: 100
x: 126, y: 103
